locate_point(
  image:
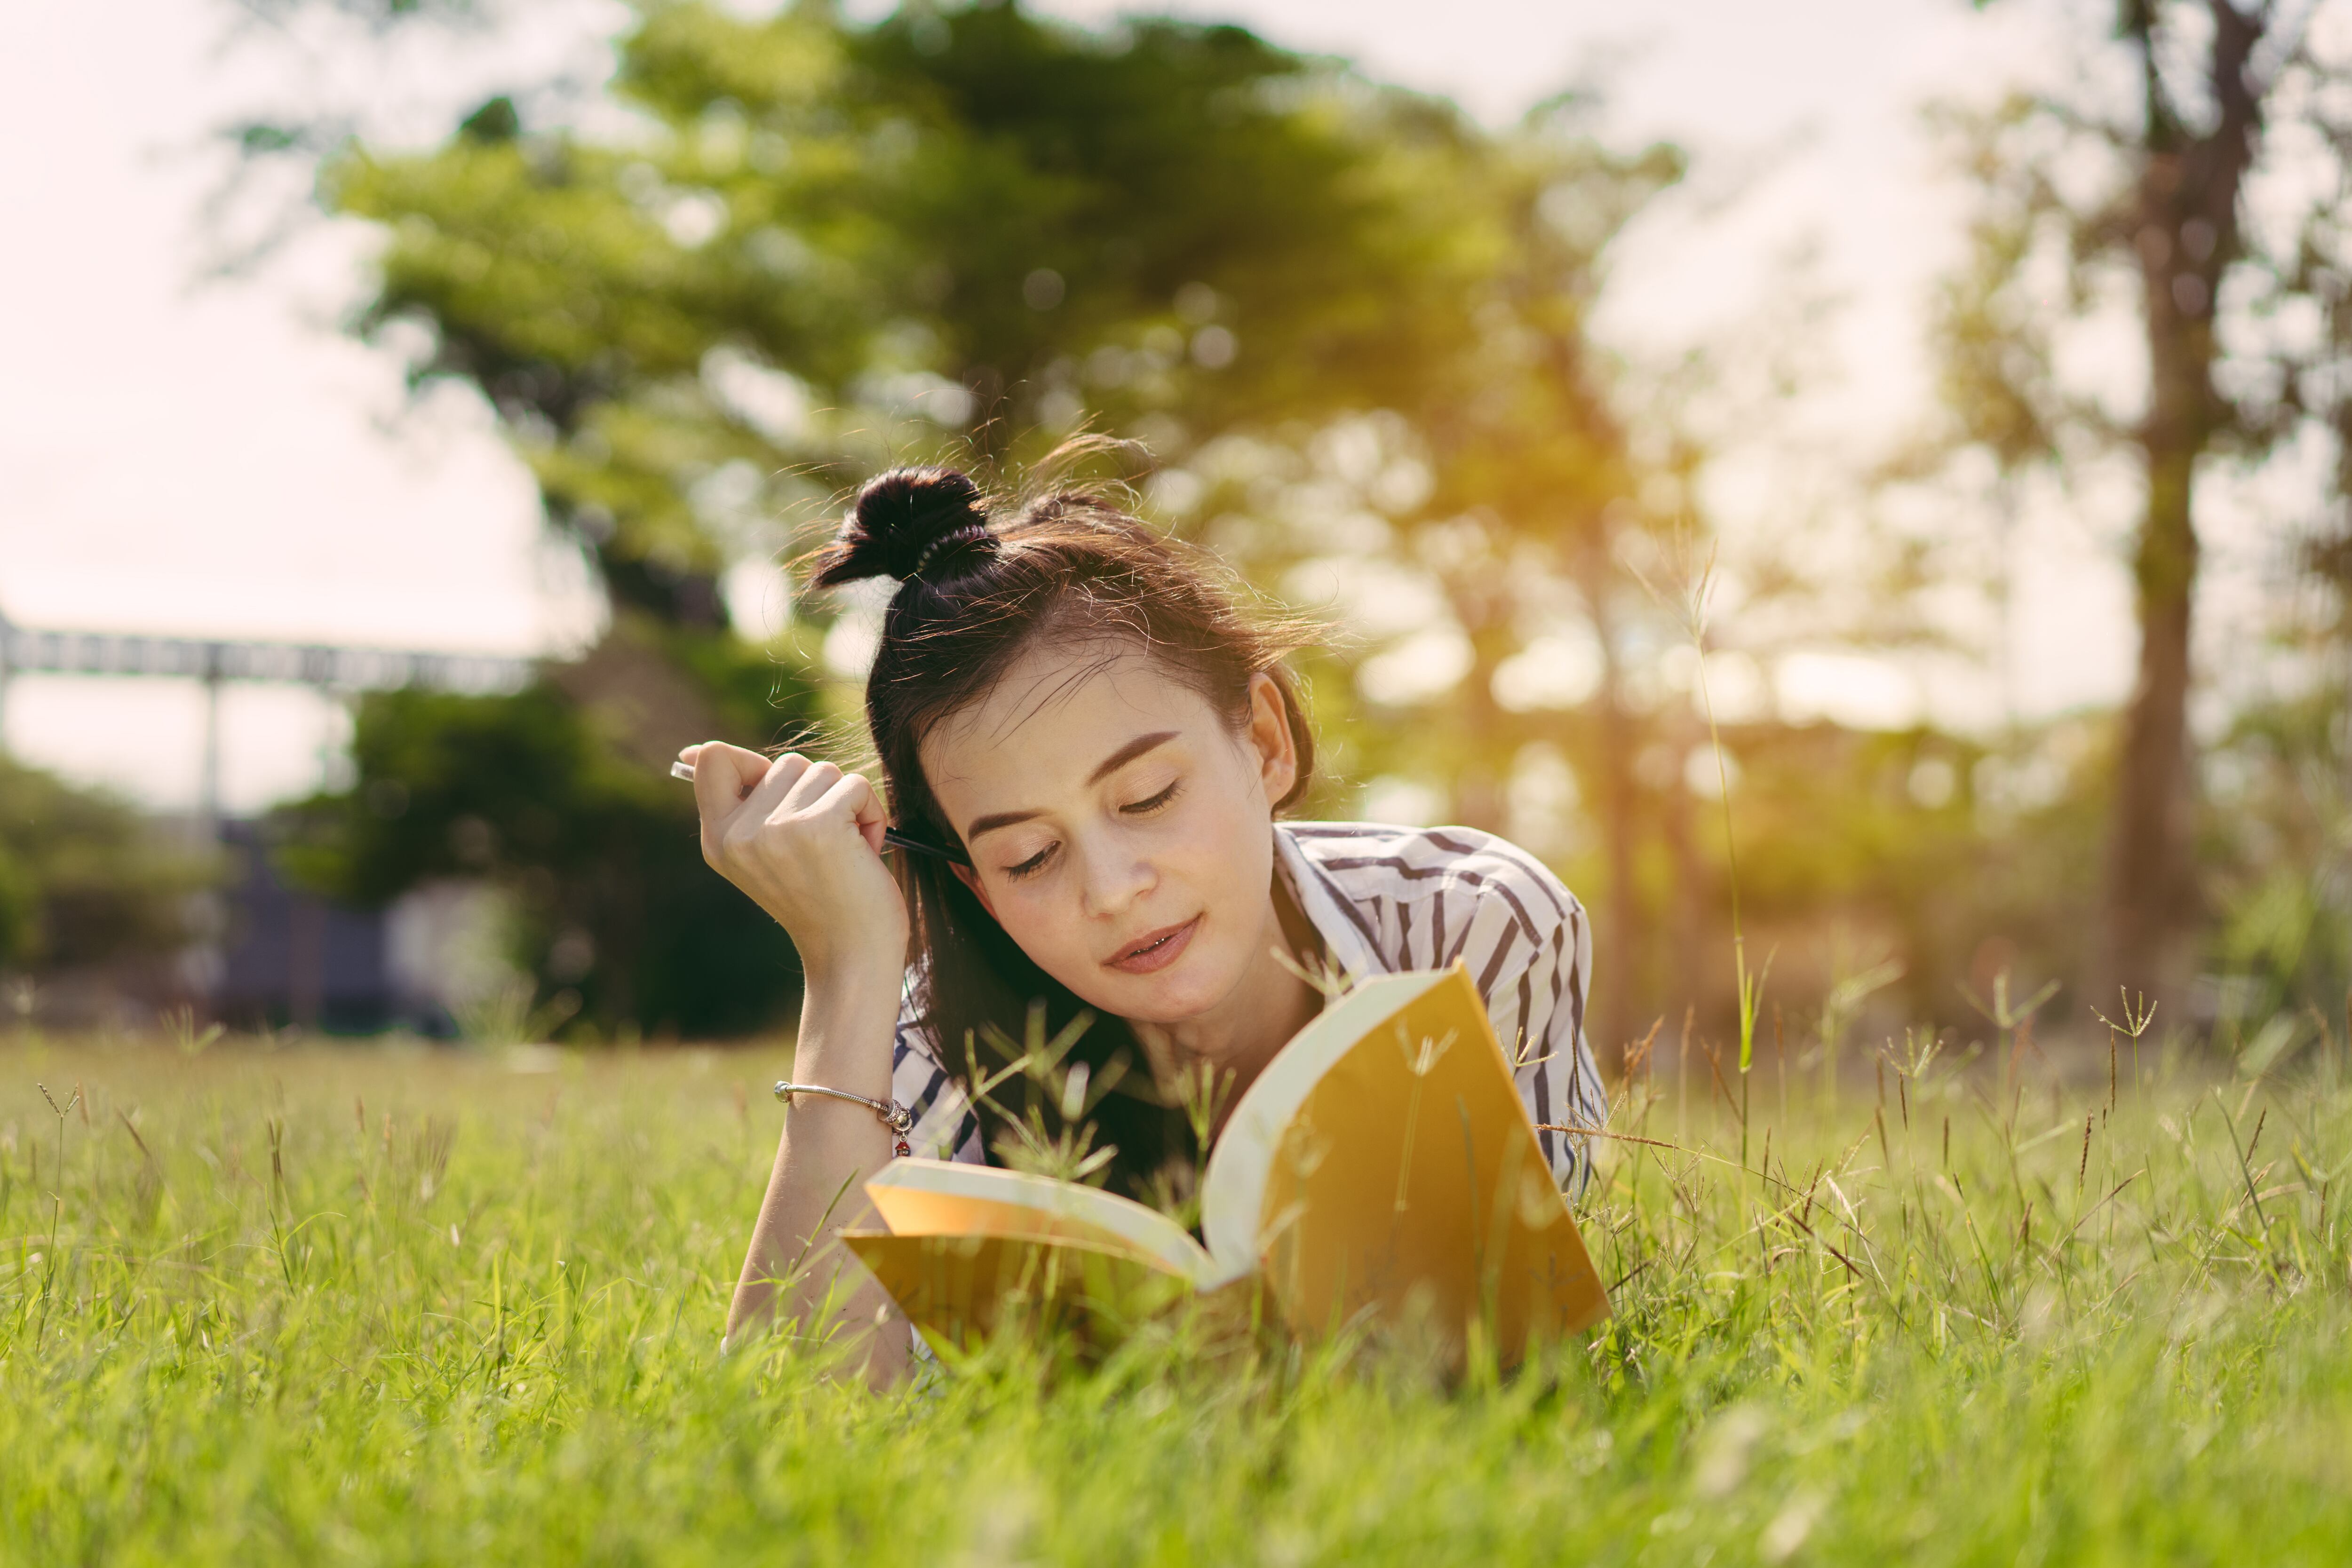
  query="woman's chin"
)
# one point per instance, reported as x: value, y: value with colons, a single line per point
x: 1179, y: 994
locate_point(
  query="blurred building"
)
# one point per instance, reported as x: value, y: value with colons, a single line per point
x: 288, y: 959
x: 291, y: 957
x: 278, y: 957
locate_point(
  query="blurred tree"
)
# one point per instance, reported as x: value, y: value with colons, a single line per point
x: 821, y: 247
x: 544, y: 795
x: 84, y: 879
x: 2279, y: 843
x: 1353, y: 325
x: 2155, y: 184
x: 1536, y: 485
x: 1537, y: 496
x: 827, y: 245
x: 1950, y: 856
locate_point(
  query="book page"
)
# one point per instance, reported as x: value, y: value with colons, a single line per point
x: 940, y: 1198
x: 960, y: 1289
x: 1233, y: 1187
x: 1408, y: 1182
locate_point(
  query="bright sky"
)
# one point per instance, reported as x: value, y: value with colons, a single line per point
x: 201, y: 457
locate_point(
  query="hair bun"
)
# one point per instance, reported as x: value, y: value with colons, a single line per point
x: 907, y: 523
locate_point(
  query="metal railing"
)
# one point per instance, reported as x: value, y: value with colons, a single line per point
x: 26, y: 651
x: 213, y: 662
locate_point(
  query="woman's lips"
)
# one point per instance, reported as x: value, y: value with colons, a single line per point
x: 1157, y: 950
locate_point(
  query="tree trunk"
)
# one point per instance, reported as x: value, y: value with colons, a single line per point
x: 2151, y: 878
x: 2188, y: 237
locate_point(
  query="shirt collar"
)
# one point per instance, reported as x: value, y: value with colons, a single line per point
x: 1336, y: 917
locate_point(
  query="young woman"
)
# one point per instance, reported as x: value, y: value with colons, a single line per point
x: 1085, y: 747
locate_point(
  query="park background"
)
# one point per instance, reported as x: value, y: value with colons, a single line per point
x: 1859, y: 486
x: 552, y: 333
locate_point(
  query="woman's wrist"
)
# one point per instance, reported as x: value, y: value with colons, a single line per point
x: 862, y: 969
x: 847, y: 1013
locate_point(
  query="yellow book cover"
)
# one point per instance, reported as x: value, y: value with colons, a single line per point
x: 1382, y: 1169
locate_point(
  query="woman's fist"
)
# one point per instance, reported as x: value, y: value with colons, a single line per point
x: 803, y: 840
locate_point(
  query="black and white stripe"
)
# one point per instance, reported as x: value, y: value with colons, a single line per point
x: 1387, y: 899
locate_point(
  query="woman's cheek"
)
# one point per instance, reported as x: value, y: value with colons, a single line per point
x: 1017, y: 912
x: 1044, y: 929
x: 1210, y: 834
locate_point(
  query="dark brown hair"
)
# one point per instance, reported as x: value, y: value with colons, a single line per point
x: 979, y: 583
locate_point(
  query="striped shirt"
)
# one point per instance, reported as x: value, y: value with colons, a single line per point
x: 1384, y: 900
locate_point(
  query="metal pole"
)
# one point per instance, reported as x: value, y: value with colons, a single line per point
x: 5, y: 672
x: 208, y: 778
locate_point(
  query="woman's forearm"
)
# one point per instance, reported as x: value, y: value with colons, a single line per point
x: 828, y: 1149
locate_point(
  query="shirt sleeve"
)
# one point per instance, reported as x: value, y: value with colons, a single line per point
x: 1529, y: 945
x: 945, y: 1127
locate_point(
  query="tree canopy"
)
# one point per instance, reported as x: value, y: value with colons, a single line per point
x: 827, y: 244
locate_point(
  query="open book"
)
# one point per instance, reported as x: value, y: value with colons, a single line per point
x: 1382, y: 1168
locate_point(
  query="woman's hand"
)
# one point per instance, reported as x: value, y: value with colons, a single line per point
x: 803, y: 840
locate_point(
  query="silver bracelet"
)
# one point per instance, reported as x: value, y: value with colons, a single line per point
x: 895, y: 1116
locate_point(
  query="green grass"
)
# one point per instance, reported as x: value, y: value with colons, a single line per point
x: 363, y: 1305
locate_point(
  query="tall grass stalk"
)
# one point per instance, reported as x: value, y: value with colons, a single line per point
x: 1693, y: 603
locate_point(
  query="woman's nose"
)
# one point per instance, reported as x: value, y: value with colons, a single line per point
x: 1115, y: 878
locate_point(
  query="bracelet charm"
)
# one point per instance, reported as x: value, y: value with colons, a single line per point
x: 893, y: 1115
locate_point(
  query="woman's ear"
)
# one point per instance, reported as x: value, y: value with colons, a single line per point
x: 1270, y: 737
x: 971, y: 879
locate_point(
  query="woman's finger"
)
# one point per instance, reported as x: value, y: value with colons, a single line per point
x: 783, y: 781
x: 855, y: 794
x: 811, y: 787
x: 723, y: 774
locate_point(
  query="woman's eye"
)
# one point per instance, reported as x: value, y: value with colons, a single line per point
x: 1146, y: 806
x: 1030, y: 866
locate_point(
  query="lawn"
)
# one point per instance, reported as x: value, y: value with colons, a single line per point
x: 379, y: 1304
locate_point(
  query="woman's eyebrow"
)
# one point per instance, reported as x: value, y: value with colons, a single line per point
x: 1111, y: 764
x: 1128, y: 753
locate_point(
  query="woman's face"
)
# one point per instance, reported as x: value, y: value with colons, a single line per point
x: 1119, y: 827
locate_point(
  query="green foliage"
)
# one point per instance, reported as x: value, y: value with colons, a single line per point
x: 834, y: 243
x: 396, y: 1307
x: 617, y: 916
x: 2277, y: 832
x: 1500, y: 474
x: 1949, y: 855
x: 84, y: 879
